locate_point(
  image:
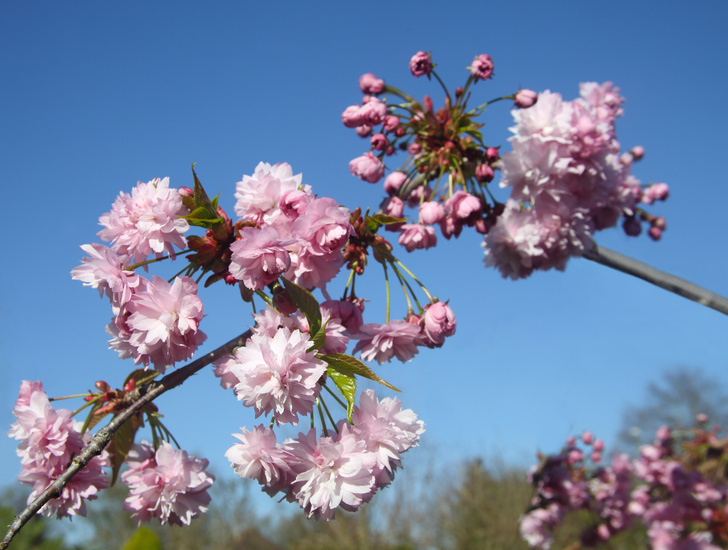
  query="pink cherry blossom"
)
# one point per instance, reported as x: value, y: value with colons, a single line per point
x: 166, y: 484
x: 482, y: 67
x: 421, y: 64
x: 145, y: 222
x: 49, y: 439
x: 388, y: 431
x: 259, y: 257
x: 431, y: 212
x: 259, y: 457
x: 396, y: 338
x: 414, y: 236
x: 367, y: 167
x: 278, y: 374
x: 330, y: 473
x: 160, y: 324
x: 103, y: 269
x: 373, y: 112
x: 438, y: 323
x: 259, y: 196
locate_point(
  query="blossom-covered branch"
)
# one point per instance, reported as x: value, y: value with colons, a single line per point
x: 140, y: 398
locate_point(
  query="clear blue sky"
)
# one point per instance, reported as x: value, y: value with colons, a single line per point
x: 97, y: 96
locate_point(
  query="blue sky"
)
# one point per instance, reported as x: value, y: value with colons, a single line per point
x: 97, y: 96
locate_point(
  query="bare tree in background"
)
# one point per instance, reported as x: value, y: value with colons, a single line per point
x: 675, y: 399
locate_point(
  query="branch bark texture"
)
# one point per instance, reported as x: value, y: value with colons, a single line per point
x: 676, y: 285
x: 146, y: 394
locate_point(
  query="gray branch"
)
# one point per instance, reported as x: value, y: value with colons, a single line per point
x: 145, y: 394
x: 673, y: 284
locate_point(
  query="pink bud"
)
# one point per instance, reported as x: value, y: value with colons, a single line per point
x: 351, y: 116
x: 574, y: 456
x: 379, y: 142
x: 626, y: 159
x: 390, y: 123
x: 570, y: 441
x: 414, y: 149
x: 702, y: 418
x: 484, y: 173
x: 364, y: 130
x: 632, y: 226
x: 660, y: 223
x: 421, y: 64
x: 660, y: 191
x: 587, y: 437
x: 663, y: 432
x: 482, y: 67
x: 431, y: 212
x: 186, y: 191
x: 526, y: 98
x: 637, y: 152
x: 284, y: 303
x: 492, y: 154
x: 394, y: 181
x: 439, y: 323
x: 596, y: 457
x: 598, y: 445
x: 655, y: 233
x: 370, y: 84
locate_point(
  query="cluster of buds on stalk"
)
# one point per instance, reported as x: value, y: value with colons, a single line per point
x: 567, y: 177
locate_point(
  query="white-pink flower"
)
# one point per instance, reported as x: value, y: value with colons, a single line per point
x: 49, y: 439
x: 259, y: 195
x: 278, y: 374
x: 161, y: 324
x: 259, y: 257
x: 414, y: 236
x: 167, y: 484
x: 367, y: 167
x: 145, y: 222
x: 103, y: 269
x: 388, y: 431
x: 396, y: 338
x: 330, y: 473
x: 438, y: 323
x: 259, y: 457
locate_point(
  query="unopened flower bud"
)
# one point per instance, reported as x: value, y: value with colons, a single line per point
x: 598, y: 445
x: 702, y: 418
x: 414, y: 148
x: 379, y: 142
x: 364, y: 131
x: 102, y: 386
x: 570, y: 441
x: 525, y: 99
x: 482, y: 67
x: 574, y: 456
x: 283, y: 303
x: 637, y: 152
x: 186, y: 191
x: 660, y: 223
x: 587, y: 437
x: 492, y: 154
x: 421, y: 64
x: 439, y: 323
x: 655, y: 233
x: 370, y: 84
x: 596, y: 457
x: 394, y: 181
x: 626, y: 159
x: 484, y: 173
x: 632, y: 226
x: 390, y: 122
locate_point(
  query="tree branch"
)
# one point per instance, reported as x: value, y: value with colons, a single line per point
x: 676, y: 285
x: 146, y: 394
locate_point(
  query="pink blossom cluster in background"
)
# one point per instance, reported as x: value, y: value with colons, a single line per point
x: 662, y: 489
x: 323, y: 473
x: 48, y: 441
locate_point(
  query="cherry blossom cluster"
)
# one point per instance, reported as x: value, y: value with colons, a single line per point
x: 566, y: 174
x: 48, y: 441
x: 323, y: 473
x: 285, y: 244
x: 676, y: 488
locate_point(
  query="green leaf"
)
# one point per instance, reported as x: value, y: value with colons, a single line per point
x: 92, y: 419
x: 306, y: 303
x: 319, y: 339
x: 346, y: 364
x: 199, y: 191
x: 347, y: 386
x: 378, y: 220
x: 120, y: 445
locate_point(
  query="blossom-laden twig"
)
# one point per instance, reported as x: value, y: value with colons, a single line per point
x: 144, y: 395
